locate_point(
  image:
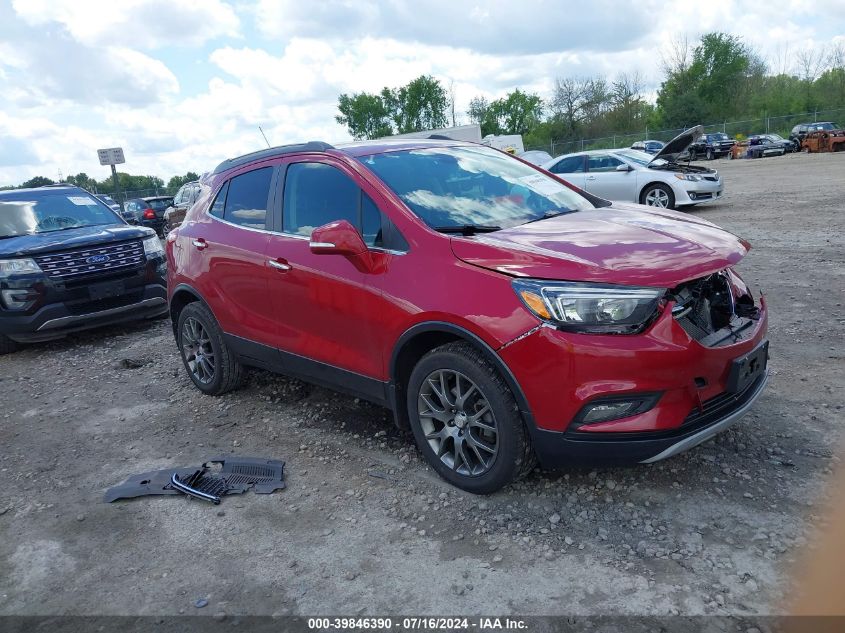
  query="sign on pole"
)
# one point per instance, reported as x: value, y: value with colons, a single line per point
x: 111, y: 156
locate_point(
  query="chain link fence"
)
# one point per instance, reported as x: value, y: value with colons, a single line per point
x: 765, y: 125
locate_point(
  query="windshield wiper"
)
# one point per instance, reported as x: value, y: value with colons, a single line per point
x: 549, y: 214
x: 468, y: 229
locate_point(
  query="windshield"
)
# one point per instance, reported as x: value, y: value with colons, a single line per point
x: 717, y: 137
x: 459, y: 186
x: 42, y: 212
x: 641, y: 158
x: 824, y: 126
x: 774, y: 137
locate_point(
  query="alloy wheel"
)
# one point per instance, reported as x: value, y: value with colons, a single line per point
x: 196, y: 347
x: 458, y: 422
x: 657, y: 198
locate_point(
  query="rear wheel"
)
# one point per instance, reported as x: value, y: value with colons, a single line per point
x: 211, y: 365
x: 657, y: 195
x: 465, y: 420
x: 7, y: 345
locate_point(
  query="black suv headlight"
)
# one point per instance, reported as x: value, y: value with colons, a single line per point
x: 591, y: 308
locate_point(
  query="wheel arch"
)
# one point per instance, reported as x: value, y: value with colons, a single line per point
x: 181, y: 296
x: 421, y: 338
x: 644, y: 188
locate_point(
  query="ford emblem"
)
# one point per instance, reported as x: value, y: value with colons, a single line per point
x: 97, y: 259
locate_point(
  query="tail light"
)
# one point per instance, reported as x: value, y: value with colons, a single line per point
x: 149, y: 214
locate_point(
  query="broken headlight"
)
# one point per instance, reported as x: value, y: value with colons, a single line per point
x: 595, y: 308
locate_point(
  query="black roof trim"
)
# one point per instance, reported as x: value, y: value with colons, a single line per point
x: 311, y: 146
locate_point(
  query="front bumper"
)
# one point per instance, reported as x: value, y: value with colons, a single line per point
x: 688, y: 193
x: 559, y: 373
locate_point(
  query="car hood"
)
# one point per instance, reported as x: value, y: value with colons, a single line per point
x: 626, y: 244
x: 679, y: 144
x: 24, y: 245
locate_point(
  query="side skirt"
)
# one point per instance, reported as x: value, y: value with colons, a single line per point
x: 266, y: 357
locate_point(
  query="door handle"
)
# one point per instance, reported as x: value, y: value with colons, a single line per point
x: 591, y: 177
x: 279, y: 265
x: 200, y: 244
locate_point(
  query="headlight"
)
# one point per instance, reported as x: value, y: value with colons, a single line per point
x: 691, y: 177
x: 18, y: 266
x: 585, y: 307
x: 152, y: 246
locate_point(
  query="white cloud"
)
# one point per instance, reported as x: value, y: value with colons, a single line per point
x: 143, y: 23
x: 80, y: 75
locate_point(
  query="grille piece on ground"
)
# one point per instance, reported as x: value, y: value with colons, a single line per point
x: 236, y: 475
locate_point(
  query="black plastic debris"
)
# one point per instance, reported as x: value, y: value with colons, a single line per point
x: 235, y: 475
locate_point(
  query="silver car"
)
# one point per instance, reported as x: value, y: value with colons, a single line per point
x: 629, y: 175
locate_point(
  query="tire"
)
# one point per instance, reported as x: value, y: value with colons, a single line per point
x: 657, y: 192
x: 479, y: 470
x: 710, y: 155
x: 693, y: 155
x: 197, y: 330
x: 7, y: 345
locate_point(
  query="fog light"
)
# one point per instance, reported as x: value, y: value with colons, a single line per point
x: 613, y: 408
x: 17, y: 299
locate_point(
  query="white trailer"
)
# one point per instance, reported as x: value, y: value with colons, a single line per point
x: 470, y: 133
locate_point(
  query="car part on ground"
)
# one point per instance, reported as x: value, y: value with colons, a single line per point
x: 235, y: 475
x: 824, y: 141
x: 545, y: 325
x: 68, y: 263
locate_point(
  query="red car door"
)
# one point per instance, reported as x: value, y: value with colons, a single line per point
x: 228, y: 265
x: 324, y: 302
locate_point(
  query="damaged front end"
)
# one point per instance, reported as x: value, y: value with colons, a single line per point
x: 715, y: 310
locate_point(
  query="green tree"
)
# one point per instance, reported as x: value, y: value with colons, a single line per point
x: 37, y: 181
x: 517, y: 113
x: 177, y: 181
x: 420, y: 105
x: 364, y: 115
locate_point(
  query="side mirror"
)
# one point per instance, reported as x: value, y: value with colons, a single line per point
x: 623, y: 168
x: 337, y: 238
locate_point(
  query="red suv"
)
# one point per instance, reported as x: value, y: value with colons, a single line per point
x: 502, y: 314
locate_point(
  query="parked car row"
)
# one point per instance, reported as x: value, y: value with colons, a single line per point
x: 549, y: 324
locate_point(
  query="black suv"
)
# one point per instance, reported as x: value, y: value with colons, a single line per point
x: 68, y: 263
x: 802, y: 129
x: 711, y: 146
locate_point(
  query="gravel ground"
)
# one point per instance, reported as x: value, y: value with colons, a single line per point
x: 365, y: 527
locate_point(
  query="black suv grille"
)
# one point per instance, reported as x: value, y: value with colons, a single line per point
x: 93, y: 260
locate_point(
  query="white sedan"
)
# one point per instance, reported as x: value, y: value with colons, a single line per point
x: 629, y: 175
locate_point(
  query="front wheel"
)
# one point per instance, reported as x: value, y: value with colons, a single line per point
x: 211, y: 365
x: 710, y: 154
x: 660, y: 196
x: 465, y: 420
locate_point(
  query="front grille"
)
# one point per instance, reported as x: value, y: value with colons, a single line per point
x: 93, y: 260
x: 712, y: 178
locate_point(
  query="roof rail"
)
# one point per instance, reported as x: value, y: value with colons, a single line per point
x: 311, y: 146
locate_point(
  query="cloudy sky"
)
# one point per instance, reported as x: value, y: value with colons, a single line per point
x: 182, y: 84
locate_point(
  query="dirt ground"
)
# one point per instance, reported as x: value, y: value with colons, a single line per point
x: 364, y: 527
